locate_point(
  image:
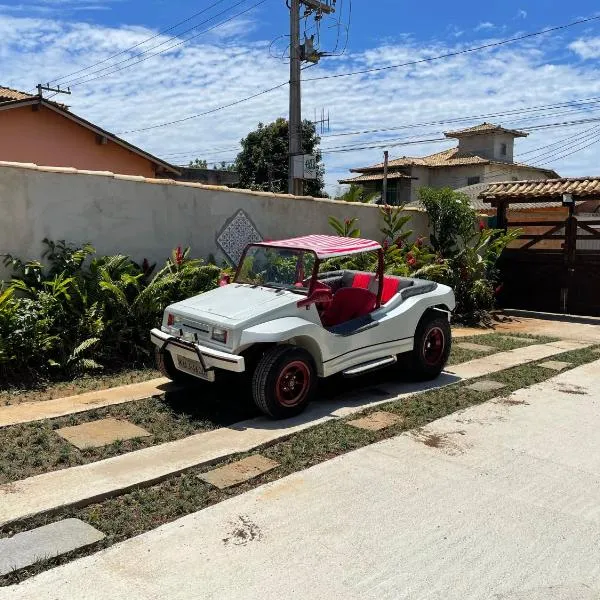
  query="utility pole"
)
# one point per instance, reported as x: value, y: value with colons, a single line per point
x: 386, y: 156
x: 296, y: 184
x: 46, y: 88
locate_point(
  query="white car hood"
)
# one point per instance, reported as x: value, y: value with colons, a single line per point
x: 236, y: 302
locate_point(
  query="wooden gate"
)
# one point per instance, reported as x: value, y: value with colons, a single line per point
x: 554, y: 266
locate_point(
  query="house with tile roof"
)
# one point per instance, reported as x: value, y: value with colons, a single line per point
x: 485, y: 153
x: 39, y: 131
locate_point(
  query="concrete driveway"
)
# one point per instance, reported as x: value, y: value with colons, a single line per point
x: 500, y: 501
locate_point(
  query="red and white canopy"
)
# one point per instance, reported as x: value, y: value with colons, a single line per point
x: 326, y: 246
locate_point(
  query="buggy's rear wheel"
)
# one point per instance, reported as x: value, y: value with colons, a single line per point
x: 433, y: 341
x: 284, y: 381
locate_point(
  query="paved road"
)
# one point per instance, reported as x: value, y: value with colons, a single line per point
x: 500, y: 501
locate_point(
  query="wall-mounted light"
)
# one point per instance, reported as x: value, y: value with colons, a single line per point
x: 567, y: 200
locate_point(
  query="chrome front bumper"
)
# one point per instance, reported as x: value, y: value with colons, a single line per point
x: 209, y: 358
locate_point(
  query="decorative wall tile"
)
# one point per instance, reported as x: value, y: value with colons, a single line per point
x: 236, y: 235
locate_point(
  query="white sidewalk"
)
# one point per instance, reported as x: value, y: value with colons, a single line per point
x: 502, y: 501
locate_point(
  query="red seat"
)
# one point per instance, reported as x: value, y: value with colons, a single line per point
x: 348, y: 304
x: 390, y: 288
x: 362, y: 280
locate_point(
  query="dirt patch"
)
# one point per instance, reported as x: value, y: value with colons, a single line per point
x: 243, y: 532
x: 572, y: 389
x: 511, y: 402
x: 442, y: 441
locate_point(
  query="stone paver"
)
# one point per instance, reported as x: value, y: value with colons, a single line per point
x: 110, y: 477
x: 555, y: 365
x: 101, y: 433
x: 50, y: 409
x: 486, y: 385
x: 486, y: 365
x: 237, y: 472
x: 376, y: 421
x: 510, y: 514
x: 28, y: 547
x: 475, y: 347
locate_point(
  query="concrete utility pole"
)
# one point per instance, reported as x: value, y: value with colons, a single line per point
x: 296, y: 184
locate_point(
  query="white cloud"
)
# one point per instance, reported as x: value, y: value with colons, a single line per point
x: 485, y: 25
x: 521, y: 14
x: 586, y: 48
x: 211, y: 72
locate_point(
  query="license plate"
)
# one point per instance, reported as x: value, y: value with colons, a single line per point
x: 191, y: 366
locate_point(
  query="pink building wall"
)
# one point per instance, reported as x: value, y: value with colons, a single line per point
x: 47, y: 138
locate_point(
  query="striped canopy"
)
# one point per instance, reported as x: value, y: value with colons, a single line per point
x: 326, y: 246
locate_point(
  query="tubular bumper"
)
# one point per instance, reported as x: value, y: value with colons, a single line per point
x: 209, y: 358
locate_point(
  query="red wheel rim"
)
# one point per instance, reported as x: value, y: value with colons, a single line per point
x: 292, y: 384
x: 433, y: 346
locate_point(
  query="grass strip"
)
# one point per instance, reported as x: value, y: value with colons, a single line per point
x: 144, y: 509
x: 29, y: 449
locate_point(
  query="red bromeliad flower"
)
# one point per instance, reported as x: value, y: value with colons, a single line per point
x: 347, y: 221
x: 419, y: 242
x: 481, y: 225
x: 178, y: 256
x: 499, y: 289
x: 399, y: 243
x: 411, y: 260
x: 385, y: 245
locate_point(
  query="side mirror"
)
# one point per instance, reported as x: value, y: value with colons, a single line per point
x: 317, y: 297
x: 225, y: 279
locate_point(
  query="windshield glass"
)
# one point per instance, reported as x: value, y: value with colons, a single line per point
x: 277, y: 267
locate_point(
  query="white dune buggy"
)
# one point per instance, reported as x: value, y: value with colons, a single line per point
x: 288, y: 319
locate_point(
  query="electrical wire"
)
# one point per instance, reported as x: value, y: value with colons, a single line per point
x: 149, y: 39
x: 442, y: 56
x: 143, y: 56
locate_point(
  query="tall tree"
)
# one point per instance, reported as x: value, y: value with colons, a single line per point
x: 263, y: 162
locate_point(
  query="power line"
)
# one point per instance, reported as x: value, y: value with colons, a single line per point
x: 149, y: 39
x: 457, y: 53
x: 351, y: 73
x: 84, y: 78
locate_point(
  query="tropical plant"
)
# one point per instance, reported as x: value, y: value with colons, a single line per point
x: 357, y: 193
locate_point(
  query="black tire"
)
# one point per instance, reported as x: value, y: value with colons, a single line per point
x: 425, y: 362
x: 164, y: 363
x: 284, y: 381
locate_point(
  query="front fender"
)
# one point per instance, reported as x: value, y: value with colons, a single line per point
x: 278, y: 330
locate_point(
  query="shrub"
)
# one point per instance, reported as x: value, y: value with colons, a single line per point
x: 84, y: 311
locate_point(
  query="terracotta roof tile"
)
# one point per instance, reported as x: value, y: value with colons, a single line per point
x: 484, y: 128
x: 375, y: 177
x: 548, y: 188
x: 8, y: 95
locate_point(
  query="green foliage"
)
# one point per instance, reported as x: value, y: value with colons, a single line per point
x: 83, y: 311
x: 356, y: 193
x: 451, y: 218
x: 461, y: 254
x: 263, y: 162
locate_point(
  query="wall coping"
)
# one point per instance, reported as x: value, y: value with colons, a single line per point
x: 189, y: 184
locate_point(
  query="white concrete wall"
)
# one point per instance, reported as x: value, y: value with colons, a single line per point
x: 147, y: 218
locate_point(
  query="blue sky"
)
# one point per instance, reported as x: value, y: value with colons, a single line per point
x: 45, y: 39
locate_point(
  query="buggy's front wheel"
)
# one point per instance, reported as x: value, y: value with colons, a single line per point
x: 284, y: 381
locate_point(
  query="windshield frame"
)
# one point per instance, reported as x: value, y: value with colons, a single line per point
x: 302, y: 291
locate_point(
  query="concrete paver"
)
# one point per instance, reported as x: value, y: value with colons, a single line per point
x: 486, y: 385
x: 101, y: 433
x: 113, y: 476
x: 237, y: 472
x: 59, y: 407
x: 555, y: 365
x: 475, y: 347
x: 376, y: 421
x: 508, y: 509
x: 487, y: 365
x: 28, y: 547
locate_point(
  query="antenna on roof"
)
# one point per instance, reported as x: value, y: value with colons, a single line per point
x: 47, y: 88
